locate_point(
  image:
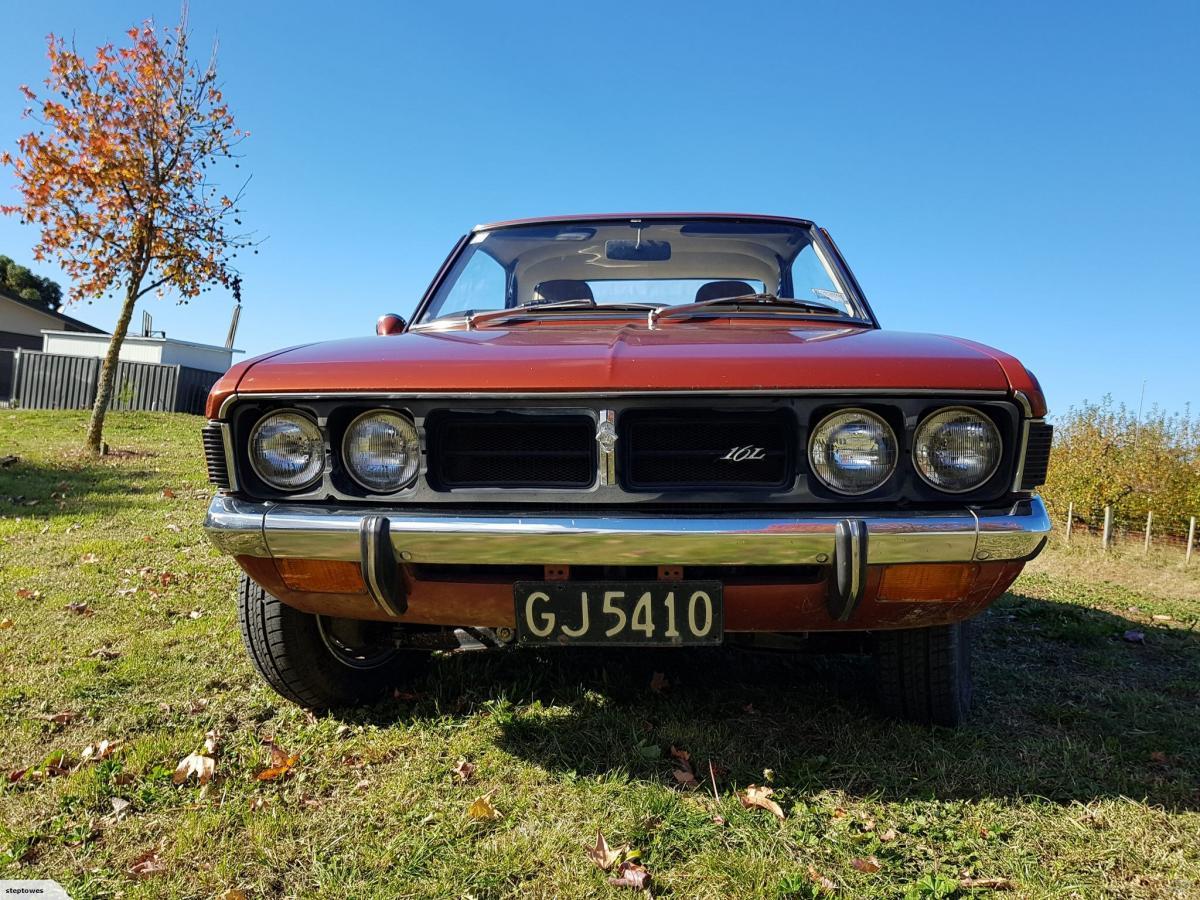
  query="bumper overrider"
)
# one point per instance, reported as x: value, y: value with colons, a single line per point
x: 380, y: 541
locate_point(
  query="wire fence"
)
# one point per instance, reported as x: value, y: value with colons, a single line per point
x: 1119, y: 532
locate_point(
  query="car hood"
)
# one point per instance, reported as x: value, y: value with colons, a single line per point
x: 623, y: 356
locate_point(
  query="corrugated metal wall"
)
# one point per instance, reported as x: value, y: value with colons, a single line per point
x: 54, y: 381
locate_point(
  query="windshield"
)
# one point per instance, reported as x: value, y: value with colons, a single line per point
x: 667, y: 262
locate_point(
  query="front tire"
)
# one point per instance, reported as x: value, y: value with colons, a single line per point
x: 924, y: 674
x: 318, y: 662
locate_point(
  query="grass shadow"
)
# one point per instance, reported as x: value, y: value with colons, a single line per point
x: 1067, y: 709
x: 76, y: 482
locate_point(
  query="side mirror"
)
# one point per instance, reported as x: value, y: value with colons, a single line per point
x: 390, y: 323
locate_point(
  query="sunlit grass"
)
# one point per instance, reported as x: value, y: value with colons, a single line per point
x: 1078, y: 776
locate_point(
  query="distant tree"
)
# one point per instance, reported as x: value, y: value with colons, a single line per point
x: 50, y: 292
x: 18, y: 278
x: 117, y: 177
x: 5, y: 262
x: 32, y: 295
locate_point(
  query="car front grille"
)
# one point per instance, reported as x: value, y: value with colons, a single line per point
x: 1037, y: 455
x: 214, y: 456
x: 706, y: 449
x: 511, y: 450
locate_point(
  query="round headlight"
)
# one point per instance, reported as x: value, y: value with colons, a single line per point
x: 381, y: 451
x: 286, y: 450
x: 956, y: 449
x: 853, y: 451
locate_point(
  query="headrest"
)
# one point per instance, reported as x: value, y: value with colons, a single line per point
x: 562, y: 289
x: 719, y: 290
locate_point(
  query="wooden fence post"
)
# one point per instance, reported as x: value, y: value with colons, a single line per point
x: 1070, y: 520
x: 1149, y: 519
x: 1191, y: 541
x: 1106, y: 541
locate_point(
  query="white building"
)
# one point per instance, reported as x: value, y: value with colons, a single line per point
x: 136, y: 348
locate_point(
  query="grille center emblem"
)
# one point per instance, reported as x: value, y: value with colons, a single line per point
x: 744, y: 454
x: 606, y: 436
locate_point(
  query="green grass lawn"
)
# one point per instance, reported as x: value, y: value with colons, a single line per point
x: 1079, y: 775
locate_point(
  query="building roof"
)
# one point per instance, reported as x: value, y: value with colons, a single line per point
x: 153, y: 339
x: 74, y: 325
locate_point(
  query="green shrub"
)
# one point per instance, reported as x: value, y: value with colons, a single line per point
x: 1103, y: 455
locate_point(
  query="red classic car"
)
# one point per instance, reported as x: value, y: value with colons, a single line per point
x: 667, y: 429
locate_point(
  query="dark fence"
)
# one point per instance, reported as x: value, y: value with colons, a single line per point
x: 7, y: 361
x: 53, y: 381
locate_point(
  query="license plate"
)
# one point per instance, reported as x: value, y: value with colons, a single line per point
x: 640, y: 612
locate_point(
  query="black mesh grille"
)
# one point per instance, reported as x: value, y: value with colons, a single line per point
x: 707, y: 449
x: 511, y: 450
x: 214, y: 456
x: 1037, y: 455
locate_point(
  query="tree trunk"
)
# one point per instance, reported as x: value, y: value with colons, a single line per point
x: 108, y: 372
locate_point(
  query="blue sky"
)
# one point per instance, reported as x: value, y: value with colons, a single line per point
x: 1023, y: 174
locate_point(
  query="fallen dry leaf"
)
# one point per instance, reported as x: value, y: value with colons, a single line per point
x: 659, y: 682
x: 681, y: 755
x: 824, y: 885
x: 463, y: 771
x: 398, y: 694
x: 212, y: 740
x: 168, y: 494
x: 342, y: 731
x: 986, y: 884
x: 125, y: 592
x: 281, y: 762
x: 65, y: 717
x: 603, y: 855
x: 28, y: 594
x: 761, y: 797
x: 146, y: 864
x: 97, y: 752
x: 889, y: 835
x: 16, y: 775
x: 1159, y: 758
x: 631, y: 875
x: 173, y: 528
x: 80, y: 609
x: 105, y: 653
x: 6, y: 623
x: 232, y: 894
x: 483, y: 810
x: 686, y: 777
x: 194, y: 764
x: 120, y: 808
x: 869, y: 864
x: 89, y: 558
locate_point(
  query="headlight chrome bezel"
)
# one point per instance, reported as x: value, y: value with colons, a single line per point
x: 317, y: 439
x: 887, y: 429
x: 417, y: 457
x: 925, y: 423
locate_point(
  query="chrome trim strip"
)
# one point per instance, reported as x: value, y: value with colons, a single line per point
x: 1022, y: 450
x: 601, y: 395
x: 311, y: 532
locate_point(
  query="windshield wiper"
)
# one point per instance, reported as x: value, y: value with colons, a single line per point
x: 757, y: 300
x: 530, y: 309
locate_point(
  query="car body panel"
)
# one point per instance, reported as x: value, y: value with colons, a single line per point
x: 624, y: 355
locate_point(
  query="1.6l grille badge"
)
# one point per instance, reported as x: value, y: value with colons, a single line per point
x: 744, y: 454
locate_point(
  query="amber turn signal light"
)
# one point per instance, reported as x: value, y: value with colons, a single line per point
x: 321, y: 576
x: 926, y: 581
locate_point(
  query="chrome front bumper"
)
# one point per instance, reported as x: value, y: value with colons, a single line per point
x: 249, y: 528
x: 380, y: 539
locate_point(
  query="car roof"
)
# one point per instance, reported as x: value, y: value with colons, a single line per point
x: 625, y: 217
